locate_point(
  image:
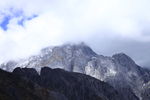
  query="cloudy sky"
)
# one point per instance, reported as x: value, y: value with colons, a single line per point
x: 108, y: 26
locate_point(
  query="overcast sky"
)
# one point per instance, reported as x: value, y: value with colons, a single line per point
x: 108, y: 26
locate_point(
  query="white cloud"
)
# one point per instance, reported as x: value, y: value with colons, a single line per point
x: 61, y: 21
x: 20, y: 41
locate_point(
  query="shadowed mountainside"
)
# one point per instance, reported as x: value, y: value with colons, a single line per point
x: 74, y: 86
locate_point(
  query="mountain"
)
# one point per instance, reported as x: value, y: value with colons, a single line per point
x: 74, y: 86
x: 53, y: 84
x: 120, y: 71
x: 69, y: 57
x: 13, y: 87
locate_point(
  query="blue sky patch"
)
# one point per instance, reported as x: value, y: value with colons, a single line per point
x: 14, y: 14
x: 5, y: 22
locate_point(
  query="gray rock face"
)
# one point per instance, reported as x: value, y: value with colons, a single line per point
x: 69, y: 57
x: 120, y: 70
x: 146, y: 91
x: 8, y: 66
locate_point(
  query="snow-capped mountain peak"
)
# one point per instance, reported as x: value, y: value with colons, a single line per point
x: 119, y: 70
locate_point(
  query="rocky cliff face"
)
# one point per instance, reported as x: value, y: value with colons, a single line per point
x: 74, y: 86
x: 120, y: 70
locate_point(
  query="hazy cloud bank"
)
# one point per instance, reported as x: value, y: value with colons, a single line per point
x: 109, y: 26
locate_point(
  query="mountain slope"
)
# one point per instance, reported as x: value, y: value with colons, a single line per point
x: 120, y: 70
x: 74, y: 86
x: 14, y: 87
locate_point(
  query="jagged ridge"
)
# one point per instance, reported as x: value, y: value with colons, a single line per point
x: 74, y: 86
x: 120, y: 70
